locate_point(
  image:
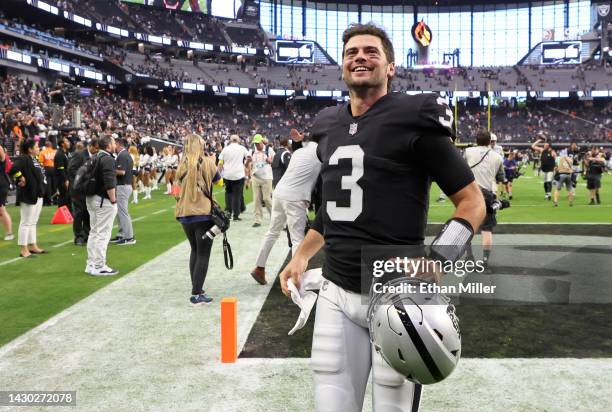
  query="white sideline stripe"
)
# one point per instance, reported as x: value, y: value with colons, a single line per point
x: 159, y: 212
x: 63, y: 243
x: 138, y: 219
x: 6, y: 262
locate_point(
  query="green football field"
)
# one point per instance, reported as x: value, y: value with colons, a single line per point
x: 56, y: 281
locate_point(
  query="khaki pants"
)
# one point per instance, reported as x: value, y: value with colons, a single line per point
x: 101, y: 216
x: 262, y: 190
x: 291, y: 213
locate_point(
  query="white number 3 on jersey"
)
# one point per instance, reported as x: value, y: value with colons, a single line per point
x: 447, y: 119
x: 349, y: 182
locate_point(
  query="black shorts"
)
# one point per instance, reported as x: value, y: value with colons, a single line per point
x: 490, y: 221
x: 3, y: 195
x: 593, y: 182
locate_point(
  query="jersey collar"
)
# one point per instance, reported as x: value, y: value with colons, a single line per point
x: 346, y: 117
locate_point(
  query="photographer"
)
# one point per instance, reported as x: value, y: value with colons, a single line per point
x: 58, y: 101
x: 195, y: 175
x: 486, y: 164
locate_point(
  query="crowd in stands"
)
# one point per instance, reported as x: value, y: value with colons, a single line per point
x: 25, y: 112
x: 583, y: 122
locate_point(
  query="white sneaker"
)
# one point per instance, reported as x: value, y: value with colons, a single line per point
x: 88, y: 269
x: 103, y: 271
x: 9, y: 236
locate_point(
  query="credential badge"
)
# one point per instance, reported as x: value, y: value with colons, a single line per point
x: 353, y: 129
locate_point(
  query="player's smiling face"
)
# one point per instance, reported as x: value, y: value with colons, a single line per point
x: 365, y: 64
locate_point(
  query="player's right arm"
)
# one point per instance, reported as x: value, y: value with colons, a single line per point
x: 311, y: 244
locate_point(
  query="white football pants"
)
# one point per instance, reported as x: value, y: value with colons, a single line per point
x: 342, y: 357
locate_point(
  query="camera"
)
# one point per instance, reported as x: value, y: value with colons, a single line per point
x: 72, y: 93
x: 499, y: 204
x: 221, y: 223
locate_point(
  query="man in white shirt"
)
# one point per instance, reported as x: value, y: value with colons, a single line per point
x: 290, y: 201
x: 231, y: 161
x: 485, y: 163
x: 261, y: 174
x: 498, y: 148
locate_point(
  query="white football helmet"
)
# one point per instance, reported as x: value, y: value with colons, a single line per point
x: 416, y: 333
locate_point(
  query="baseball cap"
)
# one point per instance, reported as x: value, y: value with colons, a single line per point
x: 493, y: 136
x: 257, y: 138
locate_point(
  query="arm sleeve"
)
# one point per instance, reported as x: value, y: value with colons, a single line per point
x: 444, y: 163
x: 108, y: 173
x: 318, y: 222
x: 17, y: 167
x: 436, y: 116
x: 60, y: 166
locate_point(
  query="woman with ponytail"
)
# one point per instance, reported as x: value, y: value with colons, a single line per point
x: 195, y: 176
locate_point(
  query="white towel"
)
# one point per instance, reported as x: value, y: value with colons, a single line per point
x: 305, y: 298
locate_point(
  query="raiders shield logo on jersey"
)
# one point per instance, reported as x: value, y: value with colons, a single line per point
x: 353, y: 129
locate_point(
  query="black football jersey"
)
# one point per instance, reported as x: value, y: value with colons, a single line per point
x: 376, y: 174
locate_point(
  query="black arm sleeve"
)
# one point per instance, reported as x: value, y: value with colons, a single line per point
x: 444, y: 163
x: 18, y: 166
x: 318, y: 222
x: 108, y: 172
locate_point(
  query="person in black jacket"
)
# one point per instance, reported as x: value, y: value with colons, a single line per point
x: 5, y: 183
x: 30, y: 178
x: 61, y: 171
x: 102, y: 208
x: 80, y: 215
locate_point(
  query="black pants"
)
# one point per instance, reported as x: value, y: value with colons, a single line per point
x: 200, y: 253
x: 80, y: 225
x: 50, y: 186
x: 63, y: 199
x: 234, y: 189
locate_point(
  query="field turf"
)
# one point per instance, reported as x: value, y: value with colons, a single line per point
x: 33, y: 290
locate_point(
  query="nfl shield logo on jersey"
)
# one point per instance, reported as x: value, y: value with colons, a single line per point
x: 353, y: 129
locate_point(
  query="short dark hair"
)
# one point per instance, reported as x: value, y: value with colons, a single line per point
x: 93, y: 142
x: 483, y: 137
x: 104, y: 142
x: 26, y: 145
x: 123, y: 142
x: 358, y: 29
x: 284, y: 142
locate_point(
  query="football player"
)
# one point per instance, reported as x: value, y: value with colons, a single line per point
x: 379, y: 154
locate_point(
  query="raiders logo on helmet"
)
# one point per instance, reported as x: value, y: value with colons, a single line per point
x: 603, y: 10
